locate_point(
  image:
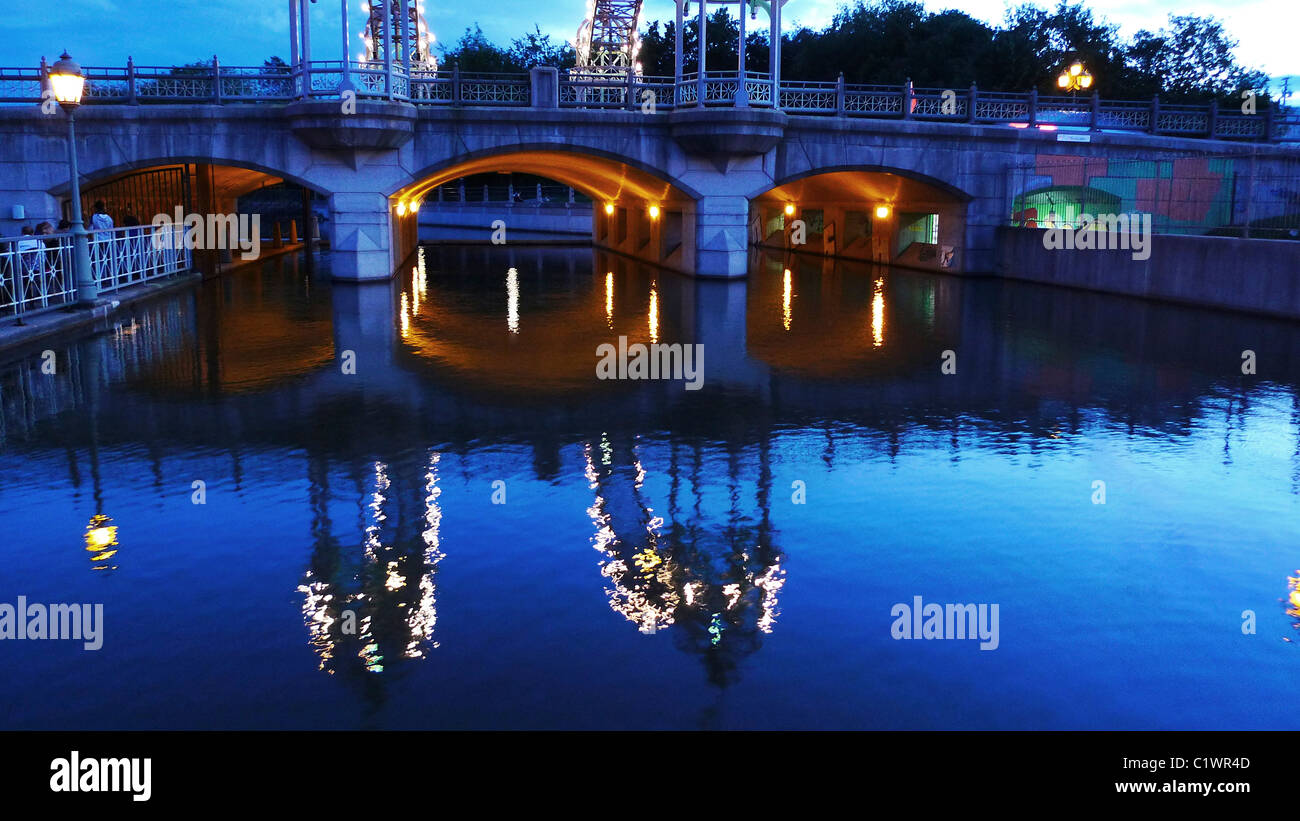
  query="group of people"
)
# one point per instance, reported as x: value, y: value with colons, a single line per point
x: 35, y: 259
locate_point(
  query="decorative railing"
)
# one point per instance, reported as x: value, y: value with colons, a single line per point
x: 128, y: 256
x: 583, y: 88
x: 722, y: 88
x: 539, y: 195
x: 36, y: 271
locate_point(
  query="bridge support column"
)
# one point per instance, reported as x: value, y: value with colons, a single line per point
x: 722, y: 237
x: 363, y: 237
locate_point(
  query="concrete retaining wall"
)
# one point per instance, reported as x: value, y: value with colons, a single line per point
x: 1256, y: 275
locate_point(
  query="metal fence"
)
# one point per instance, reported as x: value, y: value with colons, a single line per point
x: 540, y: 195
x: 1241, y: 195
x: 36, y: 271
x: 584, y: 88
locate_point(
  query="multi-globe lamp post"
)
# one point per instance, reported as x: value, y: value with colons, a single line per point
x: 1075, y: 78
x: 67, y: 83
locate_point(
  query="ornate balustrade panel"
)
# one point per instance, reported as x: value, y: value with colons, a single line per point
x: 256, y: 84
x: 940, y: 104
x: 432, y: 88
x: 662, y: 88
x: 873, y: 101
x: 20, y: 85
x: 158, y: 84
x: 1124, y: 116
x: 106, y: 85
x: 799, y: 97
x: 495, y: 89
x: 1001, y: 108
x: 1239, y: 127
x: 758, y: 90
x: 1183, y: 119
x: 1066, y: 111
x: 585, y: 88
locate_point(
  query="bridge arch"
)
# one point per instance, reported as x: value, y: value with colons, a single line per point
x: 860, y: 168
x: 616, y: 174
x: 638, y: 210
x: 96, y: 174
x: 139, y: 190
x: 875, y: 213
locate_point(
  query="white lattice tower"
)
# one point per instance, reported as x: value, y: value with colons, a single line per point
x: 607, y: 41
x: 417, y: 33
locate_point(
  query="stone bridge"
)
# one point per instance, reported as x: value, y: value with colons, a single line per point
x: 690, y: 189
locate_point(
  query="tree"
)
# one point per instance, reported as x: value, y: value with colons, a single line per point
x: 536, y: 49
x: 475, y: 53
x: 1192, y: 58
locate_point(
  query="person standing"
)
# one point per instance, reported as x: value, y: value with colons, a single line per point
x: 101, y: 224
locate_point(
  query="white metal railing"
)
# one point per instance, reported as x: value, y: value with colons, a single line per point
x: 127, y: 256
x: 36, y: 271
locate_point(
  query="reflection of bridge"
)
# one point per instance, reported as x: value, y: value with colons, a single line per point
x: 259, y: 371
x: 689, y: 170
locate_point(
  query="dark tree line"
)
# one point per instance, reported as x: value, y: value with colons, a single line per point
x: 473, y: 52
x: 890, y: 41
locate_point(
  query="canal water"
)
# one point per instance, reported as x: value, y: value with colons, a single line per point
x: 314, y: 505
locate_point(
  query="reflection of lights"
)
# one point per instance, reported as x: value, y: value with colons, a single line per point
x: 878, y: 314
x: 770, y: 583
x: 882, y: 212
x: 609, y: 208
x: 785, y: 298
x: 425, y: 616
x: 406, y: 317
x: 654, y: 212
x: 101, y: 536
x: 394, y: 580
x: 512, y: 300
x: 652, y: 317
x: 421, y: 275
x: 609, y: 299
x: 396, y: 598
x: 632, y: 593
x: 732, y: 592
x: 789, y: 209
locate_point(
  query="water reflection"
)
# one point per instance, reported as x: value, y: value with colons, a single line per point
x: 713, y: 575
x: 814, y: 371
x: 101, y: 541
x: 1293, y: 599
x: 373, y: 603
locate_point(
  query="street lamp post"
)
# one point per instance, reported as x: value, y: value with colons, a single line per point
x: 68, y: 83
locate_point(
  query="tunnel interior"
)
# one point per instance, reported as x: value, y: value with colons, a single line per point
x: 873, y: 216
x: 285, y: 210
x: 632, y: 211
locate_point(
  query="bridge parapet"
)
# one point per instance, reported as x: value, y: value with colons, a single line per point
x: 580, y: 89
